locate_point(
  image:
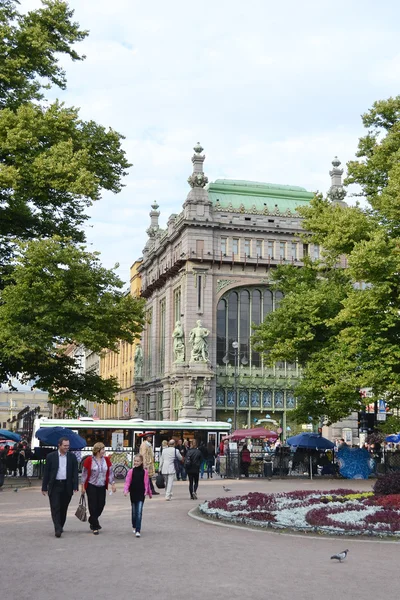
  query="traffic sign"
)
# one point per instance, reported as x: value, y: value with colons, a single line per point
x: 382, y: 406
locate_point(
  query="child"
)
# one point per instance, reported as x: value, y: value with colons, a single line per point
x: 137, y: 484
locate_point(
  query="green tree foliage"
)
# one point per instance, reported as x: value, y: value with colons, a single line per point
x: 29, y: 45
x: 53, y: 166
x: 343, y: 325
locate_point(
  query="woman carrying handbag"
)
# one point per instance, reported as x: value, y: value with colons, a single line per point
x: 97, y: 473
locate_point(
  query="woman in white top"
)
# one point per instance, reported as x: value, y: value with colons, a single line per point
x: 167, y: 466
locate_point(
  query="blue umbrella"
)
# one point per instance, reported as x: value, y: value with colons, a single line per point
x: 310, y: 441
x: 394, y: 437
x: 9, y: 435
x: 51, y: 435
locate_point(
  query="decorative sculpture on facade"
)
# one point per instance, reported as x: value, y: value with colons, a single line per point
x: 198, y: 401
x: 179, y: 343
x: 138, y: 362
x: 198, y: 178
x: 199, y: 343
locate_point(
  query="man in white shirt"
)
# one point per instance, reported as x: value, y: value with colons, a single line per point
x: 60, y: 482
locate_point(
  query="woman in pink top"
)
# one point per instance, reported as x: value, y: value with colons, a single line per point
x: 137, y: 485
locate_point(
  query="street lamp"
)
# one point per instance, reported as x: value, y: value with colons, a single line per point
x: 244, y: 361
x: 235, y: 346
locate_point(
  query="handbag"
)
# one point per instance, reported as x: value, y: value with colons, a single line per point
x: 160, y: 481
x: 81, y: 511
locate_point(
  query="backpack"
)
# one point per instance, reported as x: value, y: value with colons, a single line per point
x: 188, y: 461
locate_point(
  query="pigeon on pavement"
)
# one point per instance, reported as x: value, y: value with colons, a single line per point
x: 226, y: 489
x: 340, y: 556
x: 16, y: 490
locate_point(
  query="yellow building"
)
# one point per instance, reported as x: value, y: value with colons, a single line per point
x: 121, y: 366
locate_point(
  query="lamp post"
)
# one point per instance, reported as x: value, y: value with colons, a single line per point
x: 235, y: 346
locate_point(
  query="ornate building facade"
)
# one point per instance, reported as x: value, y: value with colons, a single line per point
x: 121, y: 365
x: 206, y: 280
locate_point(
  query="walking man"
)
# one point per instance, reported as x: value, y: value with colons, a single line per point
x: 60, y: 482
x: 168, y: 463
x: 192, y: 463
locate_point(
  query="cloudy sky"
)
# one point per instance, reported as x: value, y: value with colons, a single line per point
x: 272, y: 90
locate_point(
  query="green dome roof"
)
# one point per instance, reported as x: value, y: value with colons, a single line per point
x: 248, y: 195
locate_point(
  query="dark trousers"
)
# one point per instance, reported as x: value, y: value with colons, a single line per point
x: 193, y: 482
x: 96, y: 502
x: 1, y: 479
x: 137, y: 511
x: 245, y: 468
x: 59, y: 502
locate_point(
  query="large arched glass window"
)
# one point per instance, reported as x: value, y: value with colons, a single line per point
x: 237, y: 312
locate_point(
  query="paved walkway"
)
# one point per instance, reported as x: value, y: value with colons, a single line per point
x: 179, y: 557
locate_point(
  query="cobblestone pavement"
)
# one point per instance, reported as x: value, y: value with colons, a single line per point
x: 180, y: 557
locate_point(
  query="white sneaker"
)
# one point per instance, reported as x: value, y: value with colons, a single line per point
x: 137, y: 534
x: 134, y: 530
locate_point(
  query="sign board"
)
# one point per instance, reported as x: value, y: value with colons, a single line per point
x: 347, y: 435
x: 366, y: 393
x: 307, y: 426
x: 381, y: 416
x: 382, y: 406
x: 117, y: 441
x: 126, y: 406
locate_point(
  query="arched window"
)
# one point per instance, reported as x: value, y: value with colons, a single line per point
x: 237, y: 312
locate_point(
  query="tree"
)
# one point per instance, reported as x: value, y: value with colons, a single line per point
x: 53, y: 166
x: 343, y: 326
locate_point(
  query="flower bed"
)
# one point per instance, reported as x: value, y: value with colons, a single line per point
x: 338, y: 512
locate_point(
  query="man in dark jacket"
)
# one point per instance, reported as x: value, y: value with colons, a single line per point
x: 60, y: 481
x: 192, y: 464
x: 3, y: 464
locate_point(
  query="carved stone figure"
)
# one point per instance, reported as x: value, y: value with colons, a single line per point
x: 199, y: 343
x: 179, y: 343
x: 198, y: 402
x: 138, y: 361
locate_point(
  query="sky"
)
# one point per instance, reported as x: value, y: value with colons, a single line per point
x: 272, y: 90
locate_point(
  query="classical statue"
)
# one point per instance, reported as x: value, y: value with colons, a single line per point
x: 179, y: 343
x: 138, y: 361
x: 198, y: 402
x: 199, y: 343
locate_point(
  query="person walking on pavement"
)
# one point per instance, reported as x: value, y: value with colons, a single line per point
x: 97, y: 473
x: 192, y: 466
x: 60, y: 482
x: 210, y: 459
x: 137, y: 485
x: 3, y: 464
x: 167, y: 467
x: 146, y: 451
x: 203, y: 450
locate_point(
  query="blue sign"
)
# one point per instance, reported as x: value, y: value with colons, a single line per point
x: 382, y: 406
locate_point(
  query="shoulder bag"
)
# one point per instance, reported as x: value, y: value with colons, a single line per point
x: 81, y: 511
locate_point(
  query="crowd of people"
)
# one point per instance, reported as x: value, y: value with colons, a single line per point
x: 14, y: 460
x: 187, y: 460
